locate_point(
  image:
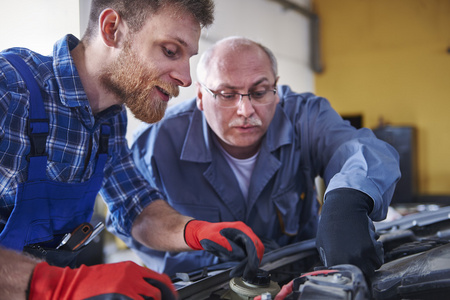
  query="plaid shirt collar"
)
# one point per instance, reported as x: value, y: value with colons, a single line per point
x: 70, y: 87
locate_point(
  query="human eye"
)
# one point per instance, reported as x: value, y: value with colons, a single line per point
x: 258, y: 94
x: 228, y: 96
x: 169, y: 51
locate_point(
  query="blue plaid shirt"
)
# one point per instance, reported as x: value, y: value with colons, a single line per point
x: 72, y: 143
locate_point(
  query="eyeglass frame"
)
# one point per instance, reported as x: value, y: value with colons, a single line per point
x: 241, y: 96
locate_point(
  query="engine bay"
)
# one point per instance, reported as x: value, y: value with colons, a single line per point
x: 417, y: 266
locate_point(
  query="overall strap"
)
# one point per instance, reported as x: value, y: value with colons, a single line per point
x: 38, y: 126
x: 102, y: 154
x: 105, y: 132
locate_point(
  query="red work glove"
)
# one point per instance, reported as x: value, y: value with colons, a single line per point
x: 124, y: 280
x: 227, y: 240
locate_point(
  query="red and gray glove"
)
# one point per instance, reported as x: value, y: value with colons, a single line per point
x: 227, y: 240
x: 124, y: 280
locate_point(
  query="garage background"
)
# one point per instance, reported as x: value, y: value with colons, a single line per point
x: 379, y: 62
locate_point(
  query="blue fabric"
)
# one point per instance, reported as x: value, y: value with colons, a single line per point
x: 44, y: 210
x: 306, y: 138
x: 73, y: 141
x: 36, y: 110
x: 346, y: 235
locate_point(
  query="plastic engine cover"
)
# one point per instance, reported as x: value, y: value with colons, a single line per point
x: 420, y: 276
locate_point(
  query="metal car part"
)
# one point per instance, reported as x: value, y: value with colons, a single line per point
x: 417, y: 266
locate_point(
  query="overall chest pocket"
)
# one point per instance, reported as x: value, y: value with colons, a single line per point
x: 66, y: 172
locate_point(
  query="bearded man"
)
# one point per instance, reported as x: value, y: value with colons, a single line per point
x: 62, y: 139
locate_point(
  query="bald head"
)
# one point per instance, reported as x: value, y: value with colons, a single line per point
x: 225, y: 51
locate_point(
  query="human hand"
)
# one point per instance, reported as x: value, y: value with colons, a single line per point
x: 124, y: 280
x: 227, y: 240
x: 346, y: 234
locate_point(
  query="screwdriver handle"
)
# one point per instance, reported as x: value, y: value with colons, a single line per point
x: 78, y: 237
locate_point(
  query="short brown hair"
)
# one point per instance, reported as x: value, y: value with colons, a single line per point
x: 136, y: 12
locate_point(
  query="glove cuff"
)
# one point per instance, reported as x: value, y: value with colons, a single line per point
x: 44, y: 279
x: 346, y: 198
x: 191, y: 233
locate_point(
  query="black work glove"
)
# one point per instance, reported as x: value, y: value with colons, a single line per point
x: 346, y: 234
x: 227, y: 240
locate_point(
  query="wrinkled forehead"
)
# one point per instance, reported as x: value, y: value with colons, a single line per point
x: 240, y: 64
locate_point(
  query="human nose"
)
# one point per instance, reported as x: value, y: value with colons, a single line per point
x: 245, y: 106
x: 182, y: 75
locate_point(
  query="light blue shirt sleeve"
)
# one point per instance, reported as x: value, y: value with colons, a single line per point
x: 352, y: 158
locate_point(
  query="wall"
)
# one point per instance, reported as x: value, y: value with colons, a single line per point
x: 37, y: 24
x: 390, y: 59
x: 285, y: 32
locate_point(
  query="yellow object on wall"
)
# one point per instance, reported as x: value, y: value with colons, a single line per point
x: 391, y: 60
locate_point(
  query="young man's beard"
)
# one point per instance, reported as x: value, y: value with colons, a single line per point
x: 133, y: 83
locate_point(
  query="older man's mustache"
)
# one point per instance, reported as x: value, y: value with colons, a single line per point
x: 252, y: 121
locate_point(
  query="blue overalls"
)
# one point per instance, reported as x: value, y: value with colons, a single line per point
x: 45, y: 210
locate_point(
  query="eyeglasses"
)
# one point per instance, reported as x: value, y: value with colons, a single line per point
x: 260, y: 96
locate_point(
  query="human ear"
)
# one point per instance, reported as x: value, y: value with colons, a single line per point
x: 199, y: 99
x: 109, y: 21
x: 276, y: 95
